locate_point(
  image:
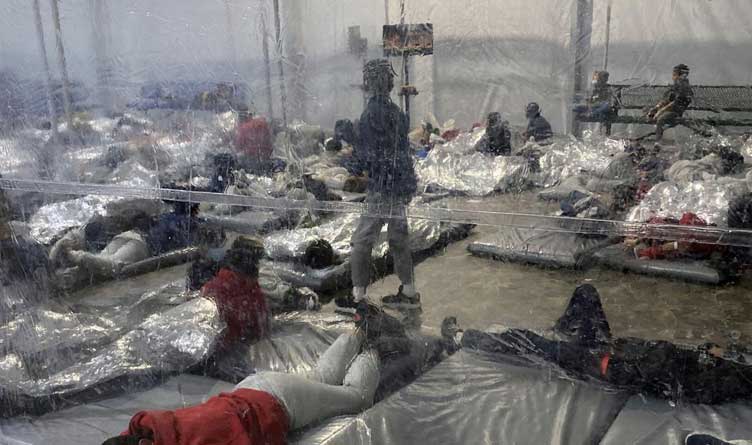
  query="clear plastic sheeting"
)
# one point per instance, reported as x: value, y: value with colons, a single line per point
x: 566, y: 158
x: 91, y: 356
x: 53, y: 220
x: 189, y: 189
x: 292, y: 244
x: 485, y: 397
x: 707, y: 199
x: 457, y: 168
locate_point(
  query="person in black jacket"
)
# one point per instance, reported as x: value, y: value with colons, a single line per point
x: 384, y: 155
x: 537, y: 126
x: 498, y: 139
x: 674, y: 103
x: 585, y: 348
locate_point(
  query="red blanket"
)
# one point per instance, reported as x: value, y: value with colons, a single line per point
x: 242, y: 417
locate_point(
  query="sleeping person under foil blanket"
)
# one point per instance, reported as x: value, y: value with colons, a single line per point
x: 707, y: 374
x: 102, y: 247
x: 729, y: 260
x: 265, y: 406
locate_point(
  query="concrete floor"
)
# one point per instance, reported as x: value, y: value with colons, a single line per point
x: 483, y: 292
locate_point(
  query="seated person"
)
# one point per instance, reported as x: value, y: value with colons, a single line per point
x: 265, y: 406
x: 674, y: 103
x: 636, y: 167
x: 20, y: 258
x: 497, y: 140
x: 538, y: 127
x: 600, y: 105
x: 222, y: 176
x: 218, y: 100
x: 236, y: 291
x: 344, y: 135
x: 253, y: 143
x: 706, y: 374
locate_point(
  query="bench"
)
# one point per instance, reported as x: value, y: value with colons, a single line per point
x: 715, y: 101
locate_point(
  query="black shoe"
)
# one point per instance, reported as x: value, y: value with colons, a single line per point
x: 451, y: 334
x: 707, y: 439
x: 402, y: 301
x: 377, y: 323
x: 345, y: 305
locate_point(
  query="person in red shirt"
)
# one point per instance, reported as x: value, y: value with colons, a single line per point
x: 254, y: 144
x: 265, y: 406
x: 236, y: 291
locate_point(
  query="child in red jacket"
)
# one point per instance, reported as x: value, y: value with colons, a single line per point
x: 265, y: 406
x: 236, y: 291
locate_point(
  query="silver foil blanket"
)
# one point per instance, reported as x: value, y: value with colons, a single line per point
x: 456, y: 167
x: 291, y: 244
x: 707, y: 199
x: 50, y: 359
x: 565, y: 158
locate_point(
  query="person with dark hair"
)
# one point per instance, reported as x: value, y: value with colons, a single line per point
x: 586, y: 348
x: 384, y: 154
x: 538, y: 127
x: 20, y: 258
x: 344, y: 133
x: 674, y: 103
x: 175, y: 230
x: 265, y: 406
x: 497, y: 140
x: 236, y: 291
x: 102, y: 247
x: 222, y: 176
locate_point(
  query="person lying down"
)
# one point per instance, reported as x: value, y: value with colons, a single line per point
x: 265, y: 406
x: 707, y: 374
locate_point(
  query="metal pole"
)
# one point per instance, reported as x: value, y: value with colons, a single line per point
x: 267, y: 65
x: 61, y: 61
x: 282, y: 88
x: 406, y: 63
x: 100, y: 38
x: 231, y: 38
x: 608, y: 35
x: 386, y: 12
x: 43, y: 51
x: 581, y: 38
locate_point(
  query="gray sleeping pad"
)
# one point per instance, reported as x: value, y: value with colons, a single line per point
x: 475, y: 399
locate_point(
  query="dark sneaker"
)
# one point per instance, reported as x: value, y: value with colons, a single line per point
x: 376, y: 322
x: 451, y: 334
x: 707, y: 439
x: 401, y: 301
x: 345, y: 305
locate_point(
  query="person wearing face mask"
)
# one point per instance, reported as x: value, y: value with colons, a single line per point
x: 497, y: 140
x: 674, y: 103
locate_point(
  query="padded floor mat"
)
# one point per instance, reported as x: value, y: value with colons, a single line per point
x: 657, y: 422
x: 539, y: 247
x: 617, y: 258
x: 475, y: 399
x: 95, y: 422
